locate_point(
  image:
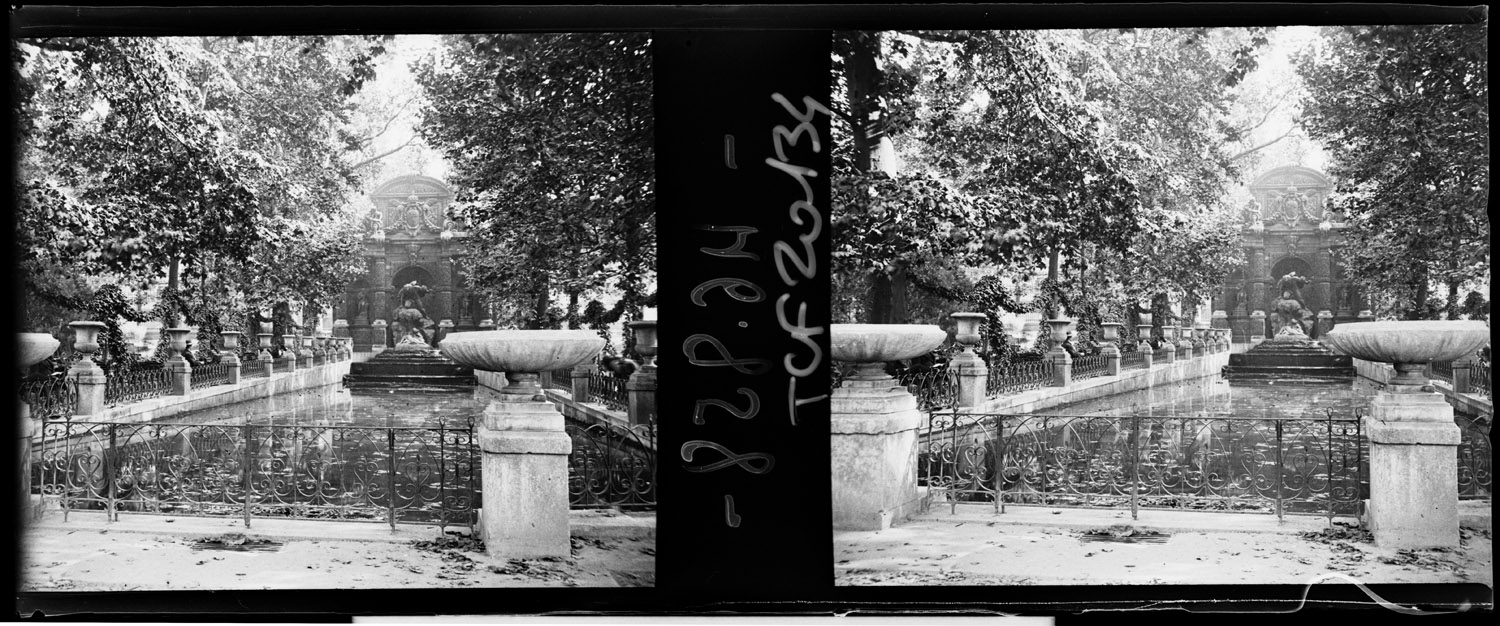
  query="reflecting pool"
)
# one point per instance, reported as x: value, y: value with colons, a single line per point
x: 333, y: 405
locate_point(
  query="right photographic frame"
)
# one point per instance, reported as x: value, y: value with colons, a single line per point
x: 1161, y: 306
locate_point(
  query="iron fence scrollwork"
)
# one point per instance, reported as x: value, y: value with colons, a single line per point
x: 608, y: 389
x: 612, y: 465
x: 374, y: 474
x: 1297, y: 466
x: 123, y: 385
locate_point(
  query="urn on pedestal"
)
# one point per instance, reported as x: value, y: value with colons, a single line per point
x: 1413, y: 462
x: 874, y: 422
x: 525, y: 450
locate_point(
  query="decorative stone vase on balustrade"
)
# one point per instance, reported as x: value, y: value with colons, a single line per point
x: 1143, y: 330
x: 1200, y: 338
x: 1184, y: 342
x: 85, y: 372
x: 873, y: 425
x: 1062, y: 362
x: 1111, y: 348
x: 1413, y: 439
x: 305, y: 351
x: 229, y: 355
x: 178, y: 368
x: 35, y: 348
x: 288, y: 360
x: 524, y: 448
x: 264, y: 356
x: 1168, y: 351
x: 641, y: 386
x: 973, y: 374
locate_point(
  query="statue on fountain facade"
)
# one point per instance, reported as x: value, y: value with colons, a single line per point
x: 409, y: 319
x: 1289, y: 317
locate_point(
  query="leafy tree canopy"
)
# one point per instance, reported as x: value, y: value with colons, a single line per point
x: 551, y: 143
x: 1404, y: 112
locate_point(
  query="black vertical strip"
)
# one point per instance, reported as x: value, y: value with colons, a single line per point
x: 744, y: 505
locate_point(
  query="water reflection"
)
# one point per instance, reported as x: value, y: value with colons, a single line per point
x: 333, y: 405
x: 1215, y: 397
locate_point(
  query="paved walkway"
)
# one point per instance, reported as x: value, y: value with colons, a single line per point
x: 148, y: 552
x: 1043, y: 546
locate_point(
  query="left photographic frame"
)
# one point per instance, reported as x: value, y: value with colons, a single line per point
x: 336, y: 311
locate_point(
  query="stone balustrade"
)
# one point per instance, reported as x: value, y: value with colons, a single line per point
x: 179, y: 379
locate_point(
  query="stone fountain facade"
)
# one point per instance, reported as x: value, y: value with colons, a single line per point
x: 1288, y: 227
x: 408, y: 237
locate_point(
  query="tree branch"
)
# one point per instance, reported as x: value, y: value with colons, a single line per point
x: 383, y: 154
x: 1264, y: 145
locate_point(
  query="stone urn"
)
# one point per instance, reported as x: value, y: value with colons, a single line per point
x: 525, y: 450
x: 871, y: 346
x: 1408, y: 345
x: 873, y: 425
x: 1413, y: 439
x: 36, y: 347
x: 645, y: 341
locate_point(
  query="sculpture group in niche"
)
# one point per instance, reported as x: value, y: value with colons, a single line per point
x: 1288, y: 316
x: 409, y: 318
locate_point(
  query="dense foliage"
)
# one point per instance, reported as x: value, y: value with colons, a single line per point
x: 208, y: 167
x: 1404, y: 111
x: 1099, y: 156
x: 550, y: 139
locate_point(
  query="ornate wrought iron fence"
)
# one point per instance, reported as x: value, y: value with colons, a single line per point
x: 50, y: 397
x: 1442, y: 370
x: 123, y: 386
x: 389, y: 474
x: 1479, y: 380
x: 1132, y: 359
x: 1088, y: 366
x: 1476, y: 478
x: 210, y: 374
x: 935, y: 390
x: 608, y: 389
x: 557, y: 379
x: 1016, y: 377
x: 612, y: 466
x: 1311, y: 466
x: 252, y: 368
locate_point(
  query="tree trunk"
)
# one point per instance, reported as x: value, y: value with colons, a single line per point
x: 887, y: 303
x: 174, y: 271
x: 1450, y: 310
x: 1054, y: 274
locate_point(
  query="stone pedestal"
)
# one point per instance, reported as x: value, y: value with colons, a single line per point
x: 525, y: 476
x: 1167, y: 353
x: 1062, y: 366
x: 378, y: 336
x: 1257, y: 327
x: 973, y: 375
x: 580, y: 381
x: 91, y: 380
x: 1413, y: 471
x: 27, y: 428
x: 181, y: 374
x: 641, y: 391
x: 873, y: 454
x: 1111, y: 359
